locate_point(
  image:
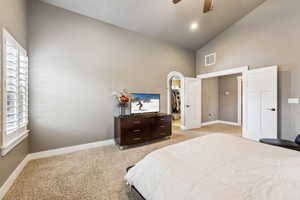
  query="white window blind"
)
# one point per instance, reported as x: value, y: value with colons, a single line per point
x: 11, y: 86
x: 15, y: 91
x: 23, y: 90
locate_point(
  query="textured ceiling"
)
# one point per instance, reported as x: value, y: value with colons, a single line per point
x: 162, y: 19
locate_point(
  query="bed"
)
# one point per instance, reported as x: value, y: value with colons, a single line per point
x: 218, y: 167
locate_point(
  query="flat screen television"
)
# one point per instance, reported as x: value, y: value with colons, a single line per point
x: 144, y: 103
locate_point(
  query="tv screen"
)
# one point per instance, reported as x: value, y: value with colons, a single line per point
x: 145, y: 103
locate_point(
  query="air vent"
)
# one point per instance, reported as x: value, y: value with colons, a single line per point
x: 210, y: 59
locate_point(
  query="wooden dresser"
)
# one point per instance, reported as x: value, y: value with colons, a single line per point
x: 138, y: 129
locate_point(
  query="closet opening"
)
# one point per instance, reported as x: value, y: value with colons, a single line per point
x: 222, y: 104
x: 176, y: 101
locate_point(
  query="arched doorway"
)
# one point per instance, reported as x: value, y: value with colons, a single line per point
x: 175, y: 104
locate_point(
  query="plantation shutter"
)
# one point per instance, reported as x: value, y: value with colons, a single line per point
x: 16, y: 87
x: 14, y: 94
x: 23, y: 90
x: 11, y: 86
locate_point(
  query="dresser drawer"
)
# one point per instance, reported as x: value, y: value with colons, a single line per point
x: 140, y: 131
x: 134, y: 138
x: 163, y: 134
x: 163, y: 127
x: 163, y: 120
x: 136, y: 135
x: 134, y: 123
x: 161, y: 130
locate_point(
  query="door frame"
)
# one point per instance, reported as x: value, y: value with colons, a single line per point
x: 240, y: 98
x: 182, y: 89
x: 243, y: 70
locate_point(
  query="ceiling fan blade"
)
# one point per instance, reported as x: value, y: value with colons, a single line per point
x: 208, y: 4
x: 176, y: 1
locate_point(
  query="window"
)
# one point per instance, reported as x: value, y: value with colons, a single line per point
x: 14, y: 93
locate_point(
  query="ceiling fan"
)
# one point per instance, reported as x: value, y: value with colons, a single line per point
x: 208, y: 5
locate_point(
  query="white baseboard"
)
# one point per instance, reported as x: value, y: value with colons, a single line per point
x: 228, y: 123
x: 209, y: 123
x: 183, y: 127
x: 44, y: 154
x: 220, y: 122
x: 11, y: 179
x: 71, y: 149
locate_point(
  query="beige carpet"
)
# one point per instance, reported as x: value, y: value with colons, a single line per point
x: 95, y: 174
x: 211, y: 129
x: 220, y: 128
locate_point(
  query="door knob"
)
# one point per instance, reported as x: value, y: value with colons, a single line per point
x: 188, y: 106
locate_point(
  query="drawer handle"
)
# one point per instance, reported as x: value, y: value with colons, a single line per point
x: 136, y: 139
x: 136, y: 130
x: 162, y: 119
x: 136, y: 122
x: 162, y: 126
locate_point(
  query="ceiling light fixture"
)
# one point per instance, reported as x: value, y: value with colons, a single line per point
x: 194, y: 26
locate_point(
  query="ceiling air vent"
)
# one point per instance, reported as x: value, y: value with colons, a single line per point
x: 210, y: 59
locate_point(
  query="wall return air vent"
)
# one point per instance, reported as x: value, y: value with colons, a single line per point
x: 210, y: 59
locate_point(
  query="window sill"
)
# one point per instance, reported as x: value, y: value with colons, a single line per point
x: 5, y: 149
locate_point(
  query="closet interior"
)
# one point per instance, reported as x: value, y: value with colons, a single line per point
x: 176, y: 101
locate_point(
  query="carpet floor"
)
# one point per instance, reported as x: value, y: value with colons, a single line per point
x: 220, y: 128
x: 94, y: 174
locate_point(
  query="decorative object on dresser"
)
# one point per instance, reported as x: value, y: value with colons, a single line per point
x: 123, y: 98
x: 139, y: 129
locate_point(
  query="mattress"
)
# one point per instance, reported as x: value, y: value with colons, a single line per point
x: 218, y: 167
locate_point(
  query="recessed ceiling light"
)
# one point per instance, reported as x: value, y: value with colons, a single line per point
x: 194, y: 26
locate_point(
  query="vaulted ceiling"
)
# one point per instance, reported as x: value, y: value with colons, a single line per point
x: 164, y: 20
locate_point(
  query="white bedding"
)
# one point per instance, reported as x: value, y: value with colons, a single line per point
x: 218, y: 167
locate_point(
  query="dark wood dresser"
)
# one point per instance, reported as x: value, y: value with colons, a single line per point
x: 139, y: 129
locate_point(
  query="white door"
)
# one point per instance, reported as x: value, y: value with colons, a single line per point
x: 192, y: 101
x: 261, y: 103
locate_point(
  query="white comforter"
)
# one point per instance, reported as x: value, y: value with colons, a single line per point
x: 218, y: 167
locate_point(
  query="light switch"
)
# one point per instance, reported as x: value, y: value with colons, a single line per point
x: 293, y: 100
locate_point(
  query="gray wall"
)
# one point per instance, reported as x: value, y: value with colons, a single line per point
x: 210, y: 99
x: 13, y: 18
x: 76, y: 64
x: 268, y: 35
x: 228, y: 104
